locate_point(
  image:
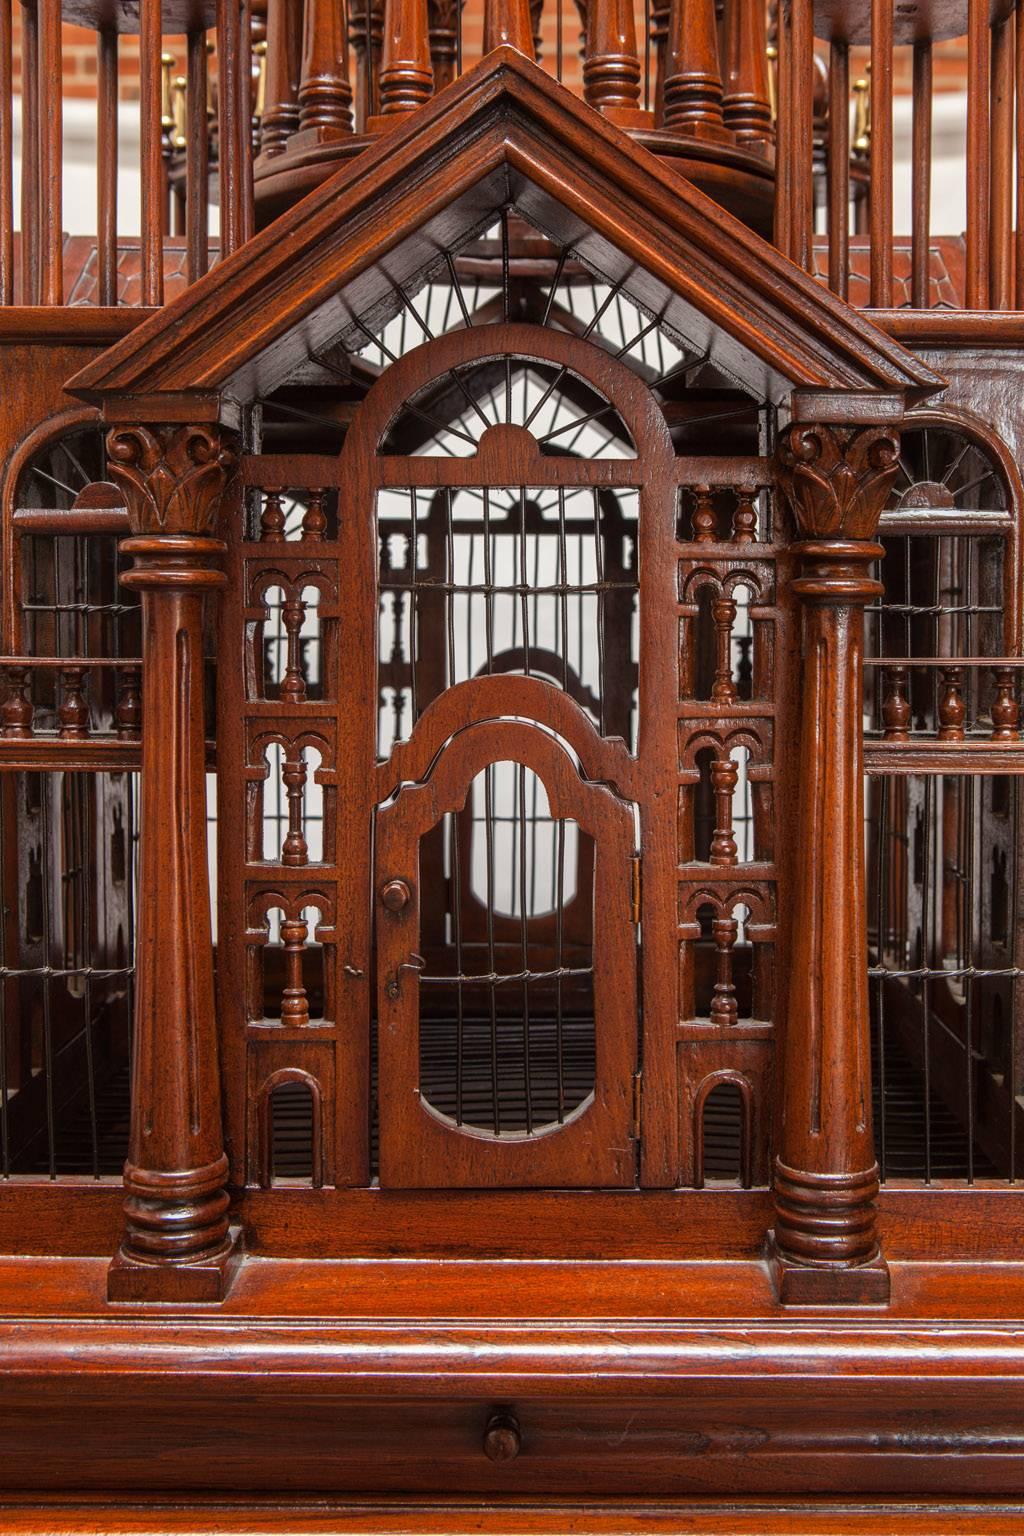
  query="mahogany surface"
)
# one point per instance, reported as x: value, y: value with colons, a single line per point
x: 511, y: 946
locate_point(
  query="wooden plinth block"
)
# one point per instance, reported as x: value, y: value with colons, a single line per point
x: 827, y: 1285
x: 206, y: 1279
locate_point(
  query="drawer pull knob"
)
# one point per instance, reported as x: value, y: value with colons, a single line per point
x: 502, y: 1440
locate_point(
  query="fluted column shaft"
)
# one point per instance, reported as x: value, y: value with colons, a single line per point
x: 824, y: 1246
x: 177, y: 1244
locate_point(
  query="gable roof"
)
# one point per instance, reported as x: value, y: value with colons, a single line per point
x: 503, y: 135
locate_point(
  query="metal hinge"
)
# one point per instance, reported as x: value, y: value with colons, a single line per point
x: 637, y: 1097
x: 635, y: 906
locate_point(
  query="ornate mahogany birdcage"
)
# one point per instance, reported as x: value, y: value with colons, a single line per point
x: 511, y: 944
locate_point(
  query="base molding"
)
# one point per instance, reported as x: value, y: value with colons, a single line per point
x: 192, y: 1516
x: 638, y: 1382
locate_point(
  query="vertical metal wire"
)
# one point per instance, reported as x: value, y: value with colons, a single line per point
x: 48, y: 1063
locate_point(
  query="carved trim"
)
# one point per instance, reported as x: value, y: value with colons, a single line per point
x: 172, y: 478
x: 837, y: 480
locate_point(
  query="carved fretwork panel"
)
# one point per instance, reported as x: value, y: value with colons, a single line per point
x: 733, y: 644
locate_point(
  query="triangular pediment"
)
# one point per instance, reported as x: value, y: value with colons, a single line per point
x: 504, y: 136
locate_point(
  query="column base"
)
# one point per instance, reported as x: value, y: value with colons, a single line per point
x: 208, y: 1279
x: 826, y: 1285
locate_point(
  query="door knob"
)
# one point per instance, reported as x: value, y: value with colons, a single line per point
x: 395, y: 896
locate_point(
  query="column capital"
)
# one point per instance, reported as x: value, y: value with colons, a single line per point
x: 835, y: 478
x: 172, y: 477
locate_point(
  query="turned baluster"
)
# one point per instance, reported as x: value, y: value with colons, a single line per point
x: 659, y: 41
x: 508, y: 23
x: 705, y: 524
x: 325, y: 96
x: 444, y: 40
x: 723, y: 1001
x: 128, y: 711
x: 952, y: 709
x: 314, y: 521
x: 745, y: 103
x: 294, y: 850
x: 366, y: 30
x: 723, y: 613
x: 611, y: 69
x: 744, y: 518
x: 693, y: 83
x: 1005, y: 709
x: 724, y: 776
x: 17, y: 711
x: 272, y: 519
x: 73, y: 713
x: 293, y: 684
x: 294, y: 1002
x: 406, y: 72
x: 284, y: 69
x: 895, y: 704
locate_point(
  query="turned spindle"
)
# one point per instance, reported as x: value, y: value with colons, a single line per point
x: 724, y: 931
x: 284, y: 69
x: 17, y: 710
x: 723, y: 613
x: 705, y: 524
x: 611, y: 68
x: 744, y: 518
x: 406, y: 72
x: 128, y: 710
x: 314, y: 520
x: 724, y: 776
x: 693, y: 83
x: 325, y: 96
x: 272, y: 518
x: 294, y: 1002
x: 746, y: 107
x: 73, y: 711
x: 895, y: 704
x: 1005, y: 709
x: 508, y: 23
x: 952, y: 709
x: 293, y: 684
x: 294, y: 850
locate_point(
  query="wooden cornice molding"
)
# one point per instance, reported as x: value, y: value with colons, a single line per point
x: 836, y: 479
x: 172, y: 478
x: 503, y: 134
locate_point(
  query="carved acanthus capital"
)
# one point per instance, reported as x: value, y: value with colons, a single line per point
x: 172, y: 477
x: 837, y: 479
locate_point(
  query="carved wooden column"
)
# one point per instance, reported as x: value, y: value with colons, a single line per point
x: 692, y: 97
x: 508, y: 23
x: 325, y: 95
x: 611, y: 69
x: 284, y: 68
x: 406, y: 72
x: 824, y: 1248
x: 177, y: 1243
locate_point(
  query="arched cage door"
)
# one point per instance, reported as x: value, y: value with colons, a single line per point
x: 507, y: 1034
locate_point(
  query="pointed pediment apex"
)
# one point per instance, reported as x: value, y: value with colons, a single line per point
x: 504, y: 135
